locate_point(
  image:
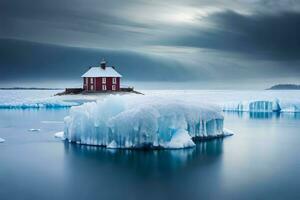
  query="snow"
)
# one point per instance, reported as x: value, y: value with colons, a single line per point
x: 2, y: 140
x: 100, y: 72
x: 142, y: 121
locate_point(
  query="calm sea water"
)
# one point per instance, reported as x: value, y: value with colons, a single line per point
x: 261, y: 161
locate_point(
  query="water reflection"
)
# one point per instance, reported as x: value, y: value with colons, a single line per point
x: 263, y: 115
x: 148, y: 163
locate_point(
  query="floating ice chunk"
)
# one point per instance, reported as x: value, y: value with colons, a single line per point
x: 2, y: 140
x: 290, y: 106
x: 112, y: 145
x: 34, y: 130
x: 227, y: 132
x: 59, y: 135
x: 180, y: 139
x: 142, y: 122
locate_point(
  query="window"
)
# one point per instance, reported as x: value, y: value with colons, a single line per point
x: 103, y: 87
x: 92, y: 80
x: 103, y: 80
x: 113, y: 87
x: 85, y: 81
x: 92, y: 87
x: 114, y: 80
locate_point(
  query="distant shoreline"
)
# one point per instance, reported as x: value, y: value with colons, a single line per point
x: 285, y: 87
x: 29, y: 88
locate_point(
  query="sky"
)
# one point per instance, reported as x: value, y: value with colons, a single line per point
x: 206, y: 44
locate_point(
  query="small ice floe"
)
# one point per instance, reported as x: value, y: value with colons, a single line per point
x: 34, y: 130
x: 181, y: 139
x: 60, y: 135
x: 227, y: 132
x: 2, y: 140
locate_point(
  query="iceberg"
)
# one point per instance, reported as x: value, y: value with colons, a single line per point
x: 2, y: 140
x: 142, y: 122
x: 253, y: 106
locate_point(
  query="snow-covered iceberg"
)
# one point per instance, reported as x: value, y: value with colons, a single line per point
x: 2, y: 140
x: 142, y: 122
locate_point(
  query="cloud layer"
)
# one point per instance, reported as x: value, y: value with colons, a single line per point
x: 189, y: 40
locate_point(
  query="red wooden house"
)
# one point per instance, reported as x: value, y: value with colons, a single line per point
x: 101, y: 78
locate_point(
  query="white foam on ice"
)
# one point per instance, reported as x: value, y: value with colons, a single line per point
x: 2, y: 140
x: 142, y: 121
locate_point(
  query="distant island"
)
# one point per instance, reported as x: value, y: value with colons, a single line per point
x: 29, y: 88
x: 285, y: 87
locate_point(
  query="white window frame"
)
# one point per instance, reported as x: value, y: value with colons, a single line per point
x: 104, y: 87
x: 113, y: 87
x: 92, y: 80
x: 103, y: 80
x: 114, y: 80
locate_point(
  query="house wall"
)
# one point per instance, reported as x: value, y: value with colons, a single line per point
x: 98, y: 84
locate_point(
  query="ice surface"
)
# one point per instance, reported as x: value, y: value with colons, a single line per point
x: 2, y: 140
x: 24, y: 99
x: 41, y: 103
x: 142, y: 121
x: 233, y: 100
x: 241, y: 100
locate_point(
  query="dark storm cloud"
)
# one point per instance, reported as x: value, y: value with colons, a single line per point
x: 75, y: 23
x: 262, y: 36
x: 24, y: 60
x: 150, y: 40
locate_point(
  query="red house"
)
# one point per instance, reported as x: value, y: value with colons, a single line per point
x: 101, y: 78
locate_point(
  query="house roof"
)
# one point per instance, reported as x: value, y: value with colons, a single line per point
x: 100, y: 72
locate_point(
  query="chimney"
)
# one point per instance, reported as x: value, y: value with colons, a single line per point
x: 103, y: 64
